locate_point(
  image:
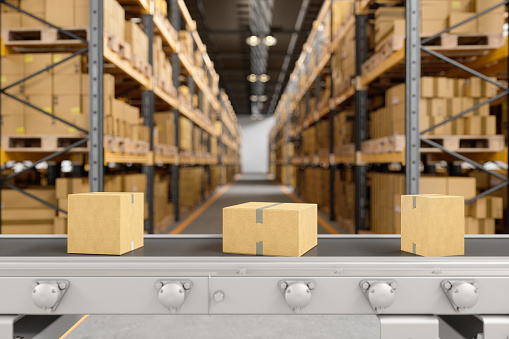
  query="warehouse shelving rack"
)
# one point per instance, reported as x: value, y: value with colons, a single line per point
x: 151, y: 95
x: 357, y: 93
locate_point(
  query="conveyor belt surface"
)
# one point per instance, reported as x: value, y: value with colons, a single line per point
x: 211, y: 246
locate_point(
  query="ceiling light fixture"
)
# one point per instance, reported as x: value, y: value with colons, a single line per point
x: 269, y: 40
x: 252, y: 77
x: 264, y: 78
x: 253, y: 40
x: 253, y: 98
x: 262, y: 98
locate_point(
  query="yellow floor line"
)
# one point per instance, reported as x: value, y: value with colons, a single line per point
x: 74, y: 326
x: 202, y: 208
x: 328, y: 227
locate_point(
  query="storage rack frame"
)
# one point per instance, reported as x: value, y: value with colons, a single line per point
x: 96, y: 154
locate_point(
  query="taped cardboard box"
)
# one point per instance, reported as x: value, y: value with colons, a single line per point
x: 265, y: 228
x: 432, y: 225
x: 105, y: 223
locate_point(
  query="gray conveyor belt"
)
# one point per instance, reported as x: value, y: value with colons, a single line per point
x: 211, y: 246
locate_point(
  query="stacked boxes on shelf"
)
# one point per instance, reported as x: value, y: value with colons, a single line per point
x: 345, y: 198
x: 138, y: 40
x: 387, y: 188
x: 441, y: 98
x: 162, y: 67
x: 24, y: 215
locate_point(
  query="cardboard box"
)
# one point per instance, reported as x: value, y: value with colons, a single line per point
x: 105, y: 223
x: 13, y: 64
x: 29, y: 22
x: 11, y: 20
x: 473, y: 87
x: 67, y: 84
x: 481, y: 5
x: 36, y: 62
x: 60, y: 226
x: 14, y: 199
x: 432, y: 185
x: 35, y: 228
x: 461, y: 186
x: 434, y: 9
x: 486, y: 226
x: 259, y: 228
x: 432, y: 225
x: 8, y: 79
x: 41, y: 84
x: 491, y: 23
x: 71, y: 66
x: 444, y: 87
x: 457, y: 17
x: 81, y: 13
x: 461, y: 6
x: 60, y: 13
x: 471, y: 225
x: 432, y: 26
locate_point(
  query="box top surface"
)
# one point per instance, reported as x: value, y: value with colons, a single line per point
x: 271, y: 205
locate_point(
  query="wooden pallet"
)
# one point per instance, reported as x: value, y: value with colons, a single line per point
x: 465, y: 143
x: 41, y: 143
x: 114, y: 144
x: 122, y: 48
x: 141, y: 65
x: 165, y: 150
x: 43, y: 36
x: 394, y: 43
x: 391, y: 144
x: 454, y: 143
x: 466, y: 41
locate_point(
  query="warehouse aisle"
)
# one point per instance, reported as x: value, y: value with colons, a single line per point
x: 207, y: 219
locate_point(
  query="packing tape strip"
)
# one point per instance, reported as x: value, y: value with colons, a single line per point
x: 259, y: 247
x: 259, y: 212
x: 414, y: 200
x: 414, y: 246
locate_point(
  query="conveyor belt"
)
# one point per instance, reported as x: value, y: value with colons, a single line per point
x: 211, y: 246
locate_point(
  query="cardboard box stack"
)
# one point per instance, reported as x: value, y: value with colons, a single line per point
x: 345, y: 197
x: 24, y: 215
x: 342, y: 10
x: 190, y: 186
x: 161, y: 63
x: 316, y: 185
x: 187, y: 45
x: 481, y: 215
x: 138, y: 40
x: 69, y: 13
x: 163, y: 207
x: 389, y: 22
x: 441, y: 98
x: 387, y: 189
x: 437, y: 15
x: 309, y: 141
x: 343, y: 62
x: 344, y: 128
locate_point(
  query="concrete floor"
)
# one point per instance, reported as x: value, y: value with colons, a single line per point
x: 251, y: 187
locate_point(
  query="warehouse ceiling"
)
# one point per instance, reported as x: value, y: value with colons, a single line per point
x: 224, y: 26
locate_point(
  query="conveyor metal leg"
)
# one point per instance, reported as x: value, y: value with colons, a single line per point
x: 7, y: 325
x: 495, y: 327
x: 405, y: 327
